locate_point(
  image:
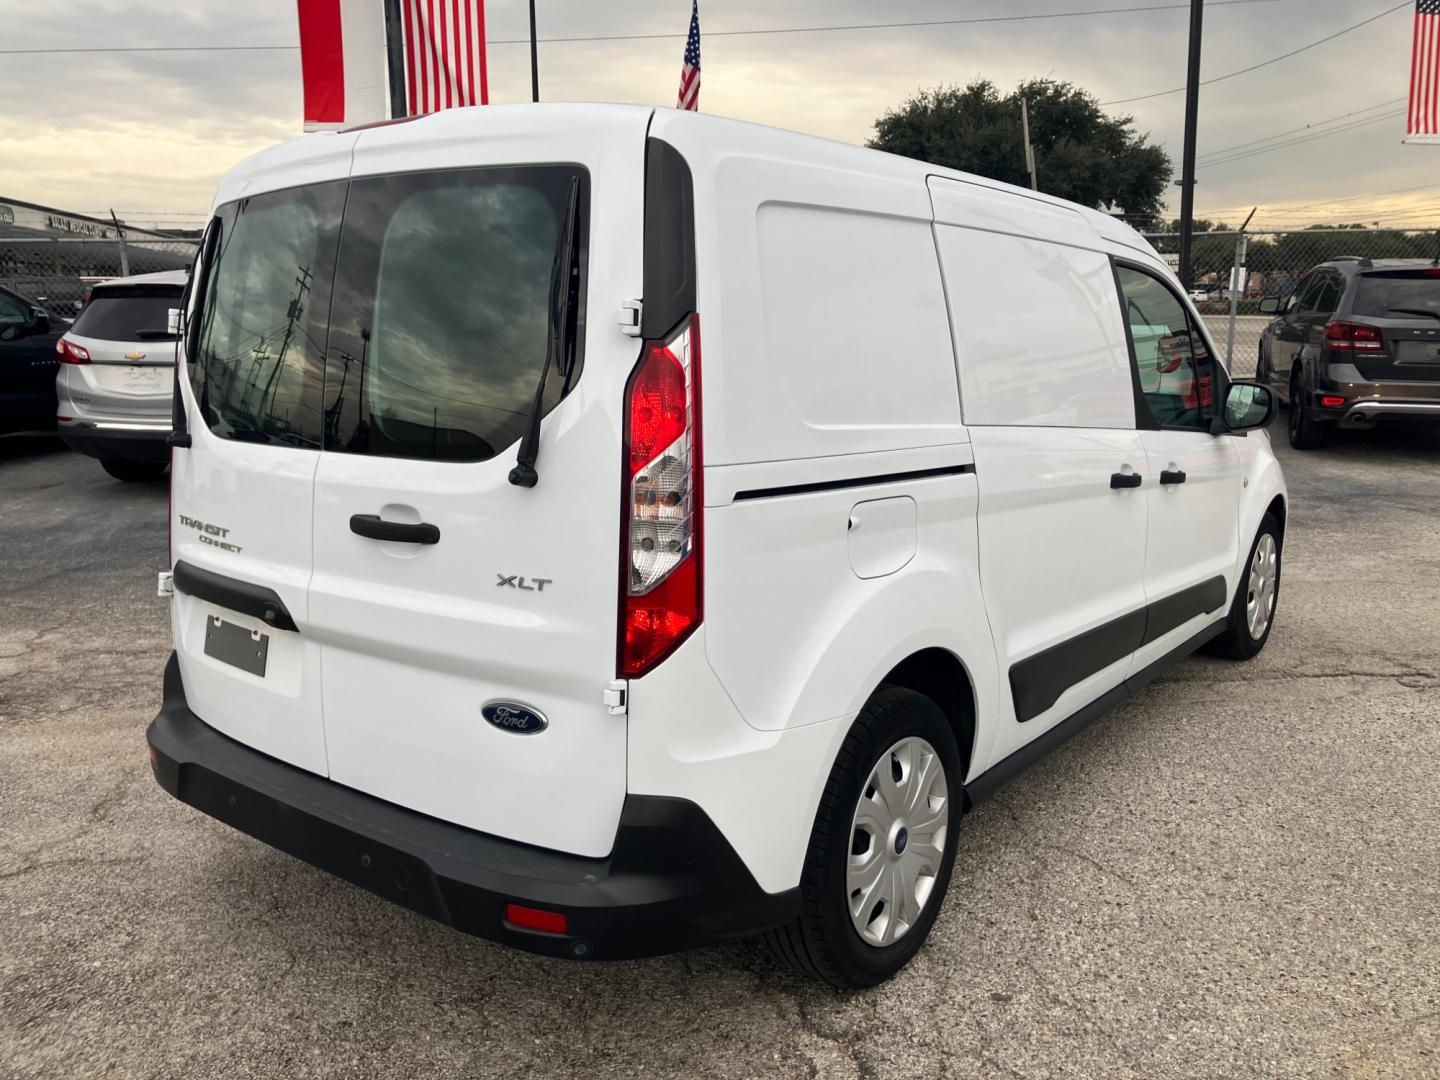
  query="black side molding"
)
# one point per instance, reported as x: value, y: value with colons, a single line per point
x: 853, y: 481
x: 264, y: 604
x: 1002, y: 772
x: 1037, y: 682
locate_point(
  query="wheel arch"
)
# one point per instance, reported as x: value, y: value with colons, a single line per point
x: 943, y: 678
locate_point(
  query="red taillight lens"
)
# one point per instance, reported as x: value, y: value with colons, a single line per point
x: 1345, y: 335
x: 70, y: 353
x: 661, y: 587
x: 529, y: 918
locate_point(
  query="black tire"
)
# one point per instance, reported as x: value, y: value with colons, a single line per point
x: 1237, y: 642
x: 1306, y: 433
x: 823, y: 942
x: 133, y: 471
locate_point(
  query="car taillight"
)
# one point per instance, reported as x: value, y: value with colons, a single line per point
x: 661, y: 515
x: 1345, y: 335
x: 70, y: 353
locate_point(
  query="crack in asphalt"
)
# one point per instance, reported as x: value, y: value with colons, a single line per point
x: 1030, y: 836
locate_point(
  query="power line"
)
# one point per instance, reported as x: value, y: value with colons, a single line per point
x: 660, y: 37
x: 1263, y: 63
x: 1343, y: 129
x: 1303, y: 127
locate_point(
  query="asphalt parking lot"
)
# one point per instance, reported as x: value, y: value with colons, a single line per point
x: 1237, y: 874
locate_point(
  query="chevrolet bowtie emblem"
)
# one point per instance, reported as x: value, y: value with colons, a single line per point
x: 134, y: 356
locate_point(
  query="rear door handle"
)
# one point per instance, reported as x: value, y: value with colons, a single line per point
x: 1172, y: 476
x: 373, y: 527
x: 1126, y: 480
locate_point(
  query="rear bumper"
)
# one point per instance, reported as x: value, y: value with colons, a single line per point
x: 671, y: 882
x: 1363, y: 404
x: 133, y: 440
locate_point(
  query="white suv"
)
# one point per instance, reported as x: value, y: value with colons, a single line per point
x: 496, y: 594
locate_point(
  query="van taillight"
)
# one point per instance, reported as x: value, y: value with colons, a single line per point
x: 661, y: 512
x: 70, y: 353
x: 1345, y: 335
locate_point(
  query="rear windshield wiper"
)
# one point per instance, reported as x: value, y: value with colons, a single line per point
x: 557, y: 352
x: 154, y: 335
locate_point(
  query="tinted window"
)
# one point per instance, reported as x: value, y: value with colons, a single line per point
x: 1325, y: 297
x: 1398, y: 295
x: 128, y: 314
x: 260, y: 362
x: 1176, y: 371
x: 12, y: 312
x: 440, y: 322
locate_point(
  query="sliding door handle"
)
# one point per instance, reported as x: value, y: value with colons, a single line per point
x: 373, y: 527
x: 1126, y: 480
x: 1172, y: 476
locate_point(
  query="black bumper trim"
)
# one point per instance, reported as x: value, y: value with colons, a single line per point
x: 671, y: 882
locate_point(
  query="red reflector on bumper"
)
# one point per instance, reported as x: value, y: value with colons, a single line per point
x: 1332, y: 402
x: 529, y: 918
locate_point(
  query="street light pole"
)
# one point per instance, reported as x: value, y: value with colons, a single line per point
x: 534, y: 58
x: 1187, y: 168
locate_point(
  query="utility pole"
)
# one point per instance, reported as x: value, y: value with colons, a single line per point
x: 534, y: 57
x: 1029, y: 150
x: 1187, y: 168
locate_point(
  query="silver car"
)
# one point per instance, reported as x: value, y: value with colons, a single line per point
x: 117, y: 370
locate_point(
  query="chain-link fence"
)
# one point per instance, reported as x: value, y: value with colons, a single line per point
x: 1272, y: 264
x: 56, y: 272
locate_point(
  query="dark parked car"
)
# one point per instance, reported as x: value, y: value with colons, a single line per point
x: 28, y: 333
x: 1357, y: 342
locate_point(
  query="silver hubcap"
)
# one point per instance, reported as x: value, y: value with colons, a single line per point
x: 897, y: 841
x: 1264, y: 577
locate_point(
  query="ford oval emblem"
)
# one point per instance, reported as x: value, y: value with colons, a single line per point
x: 513, y: 717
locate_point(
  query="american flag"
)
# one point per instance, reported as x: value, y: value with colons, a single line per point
x: 1423, y: 121
x: 690, y: 72
x: 444, y: 54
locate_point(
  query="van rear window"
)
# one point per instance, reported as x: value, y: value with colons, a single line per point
x: 128, y: 313
x: 440, y: 322
x: 1398, y: 295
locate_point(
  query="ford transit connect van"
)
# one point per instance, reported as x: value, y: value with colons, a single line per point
x: 611, y: 530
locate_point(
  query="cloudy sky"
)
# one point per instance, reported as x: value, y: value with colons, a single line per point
x: 150, y: 134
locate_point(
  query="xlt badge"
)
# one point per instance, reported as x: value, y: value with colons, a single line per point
x: 518, y: 581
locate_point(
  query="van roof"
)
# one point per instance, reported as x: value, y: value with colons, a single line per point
x: 296, y: 161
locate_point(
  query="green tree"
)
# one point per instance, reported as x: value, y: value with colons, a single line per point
x: 1081, y: 154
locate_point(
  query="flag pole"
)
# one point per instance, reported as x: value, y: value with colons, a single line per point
x: 395, y: 59
x: 534, y: 58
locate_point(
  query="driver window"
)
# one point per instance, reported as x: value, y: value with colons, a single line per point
x: 12, y: 312
x: 1174, y: 365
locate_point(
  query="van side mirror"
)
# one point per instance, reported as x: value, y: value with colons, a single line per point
x: 39, y: 320
x: 1270, y: 305
x: 1249, y: 406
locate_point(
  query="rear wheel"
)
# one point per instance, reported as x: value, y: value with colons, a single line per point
x: 133, y: 471
x: 1252, y: 613
x: 882, y: 847
x: 1306, y: 433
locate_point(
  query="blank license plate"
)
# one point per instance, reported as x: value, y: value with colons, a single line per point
x: 144, y: 378
x: 236, y: 645
x: 1418, y: 352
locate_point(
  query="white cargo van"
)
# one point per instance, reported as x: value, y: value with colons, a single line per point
x: 610, y: 530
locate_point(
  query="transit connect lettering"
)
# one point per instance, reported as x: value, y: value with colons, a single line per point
x: 213, y: 535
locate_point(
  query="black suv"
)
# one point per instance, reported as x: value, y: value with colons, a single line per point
x: 28, y: 333
x: 1357, y: 342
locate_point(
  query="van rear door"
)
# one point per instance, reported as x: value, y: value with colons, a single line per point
x: 435, y: 640
x: 243, y: 492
